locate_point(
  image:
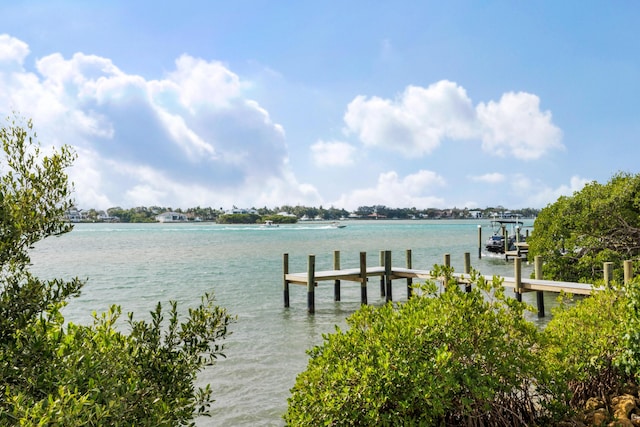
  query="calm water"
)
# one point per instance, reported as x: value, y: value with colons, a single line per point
x: 137, y: 265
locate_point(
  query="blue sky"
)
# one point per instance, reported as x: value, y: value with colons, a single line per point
x: 336, y: 103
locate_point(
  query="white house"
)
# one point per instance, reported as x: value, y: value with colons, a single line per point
x: 171, y: 217
x: 240, y: 211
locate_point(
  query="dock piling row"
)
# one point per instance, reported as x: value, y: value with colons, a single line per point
x: 387, y: 273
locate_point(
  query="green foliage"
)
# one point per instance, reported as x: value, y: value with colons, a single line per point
x: 96, y: 375
x: 629, y: 361
x: 584, y: 343
x: 577, y: 234
x: 450, y: 358
x: 136, y: 215
x: 239, y: 219
x: 57, y: 373
x: 34, y: 195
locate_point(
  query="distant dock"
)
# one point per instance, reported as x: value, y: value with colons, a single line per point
x: 387, y: 273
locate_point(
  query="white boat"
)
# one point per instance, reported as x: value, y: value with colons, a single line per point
x: 336, y: 224
x: 496, y: 243
x: 269, y: 223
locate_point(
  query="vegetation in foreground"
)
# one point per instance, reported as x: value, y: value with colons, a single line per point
x: 59, y: 373
x: 469, y: 359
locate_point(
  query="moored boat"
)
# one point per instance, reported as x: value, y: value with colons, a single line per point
x: 496, y: 243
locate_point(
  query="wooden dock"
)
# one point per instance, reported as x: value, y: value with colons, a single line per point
x: 387, y: 273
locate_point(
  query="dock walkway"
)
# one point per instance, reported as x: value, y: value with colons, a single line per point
x: 388, y: 273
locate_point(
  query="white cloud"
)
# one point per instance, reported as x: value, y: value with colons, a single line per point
x: 516, y: 127
x: 420, y: 119
x: 12, y: 50
x: 411, y: 191
x: 543, y: 195
x: 333, y: 153
x: 190, y: 138
x: 489, y: 178
x: 416, y: 122
x: 205, y: 84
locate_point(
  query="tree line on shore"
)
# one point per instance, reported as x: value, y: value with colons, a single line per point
x: 252, y: 215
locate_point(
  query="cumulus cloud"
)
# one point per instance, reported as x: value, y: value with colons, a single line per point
x: 189, y: 138
x: 411, y: 191
x: 416, y: 122
x: 420, y: 119
x: 516, y: 127
x: 12, y: 50
x: 333, y: 153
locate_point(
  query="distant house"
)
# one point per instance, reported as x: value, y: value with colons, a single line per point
x: 241, y: 211
x: 475, y: 214
x: 376, y: 215
x: 73, y: 215
x: 105, y: 217
x: 171, y: 217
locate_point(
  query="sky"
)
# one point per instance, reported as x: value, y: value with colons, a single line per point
x: 425, y: 104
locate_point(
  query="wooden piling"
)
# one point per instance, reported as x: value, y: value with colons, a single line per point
x: 311, y: 283
x: 336, y: 283
x: 505, y: 235
x: 387, y: 275
x: 538, y: 275
x: 363, y: 278
x: 447, y: 260
x: 628, y: 271
x: 467, y: 269
x: 285, y: 269
x: 383, y: 290
x: 517, y: 262
x: 608, y: 273
x: 479, y: 241
x: 409, y: 279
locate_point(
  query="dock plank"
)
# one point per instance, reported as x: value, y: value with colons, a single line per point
x: 348, y: 274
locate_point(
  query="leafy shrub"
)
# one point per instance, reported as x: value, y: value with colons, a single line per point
x: 71, y: 375
x: 449, y: 358
x: 584, y: 343
x: 629, y: 316
x: 95, y: 375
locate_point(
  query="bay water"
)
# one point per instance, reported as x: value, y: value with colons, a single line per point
x: 138, y: 265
